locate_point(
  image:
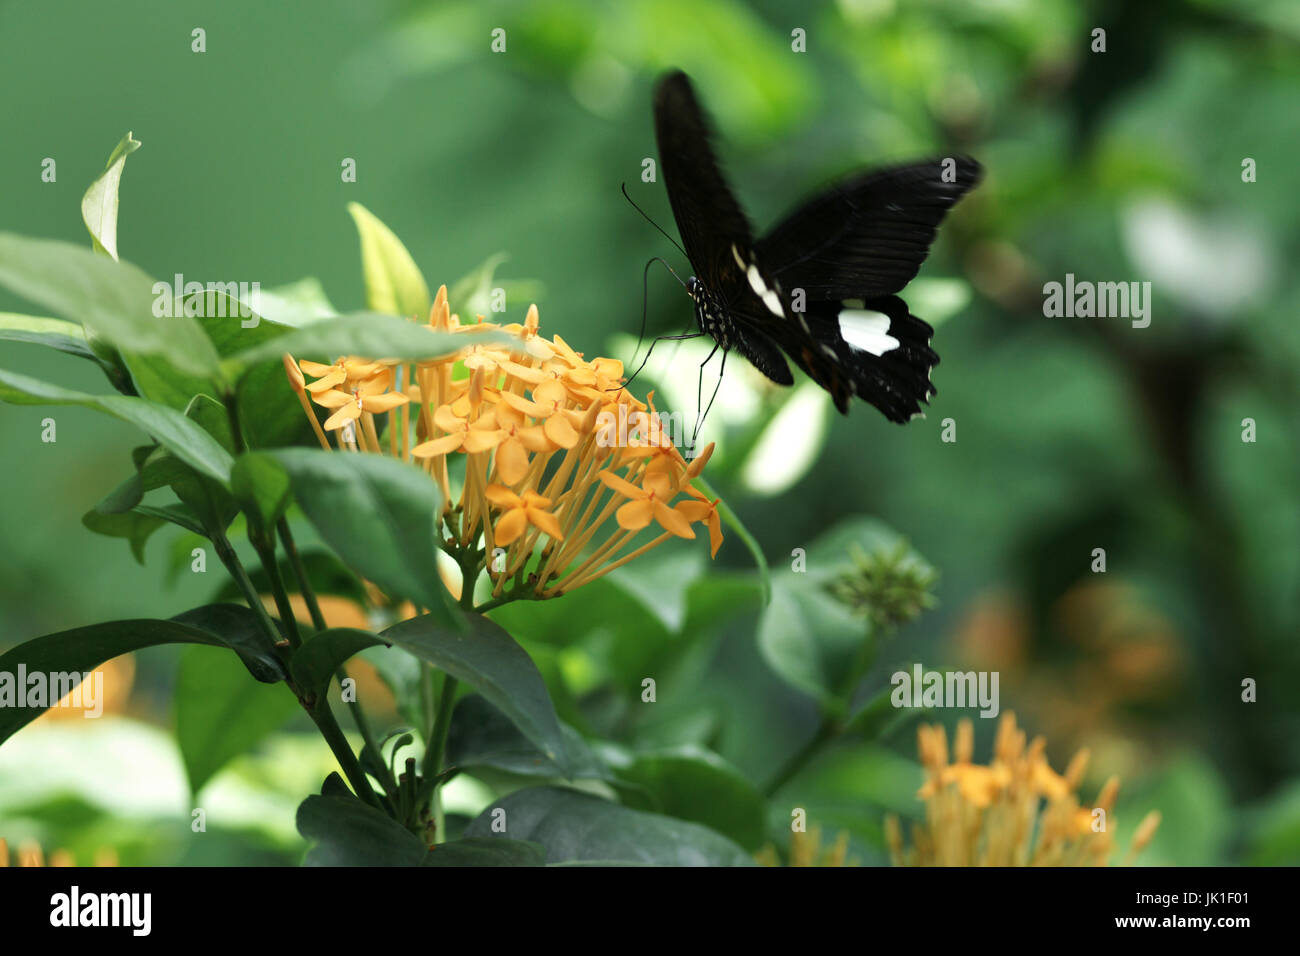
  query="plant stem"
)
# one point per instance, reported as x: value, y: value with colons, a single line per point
x: 266, y: 554
x: 300, y: 573
x: 323, y: 717
x: 318, y: 620
x: 319, y: 710
x: 226, y: 552
x: 826, y: 732
x: 434, y: 754
x: 835, y: 714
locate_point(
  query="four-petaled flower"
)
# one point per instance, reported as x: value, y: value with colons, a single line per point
x: 518, y: 513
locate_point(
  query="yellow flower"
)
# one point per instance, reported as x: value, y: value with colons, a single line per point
x: 518, y: 513
x: 806, y: 850
x: 1016, y: 811
x: 521, y: 452
x: 31, y: 854
x: 368, y: 396
x: 648, y: 503
x: 704, y: 511
x: 346, y: 371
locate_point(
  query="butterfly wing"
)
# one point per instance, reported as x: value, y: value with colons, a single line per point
x: 842, y: 256
x: 867, y: 235
x: 874, y: 349
x: 708, y: 217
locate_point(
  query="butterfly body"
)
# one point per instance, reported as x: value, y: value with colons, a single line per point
x: 820, y: 287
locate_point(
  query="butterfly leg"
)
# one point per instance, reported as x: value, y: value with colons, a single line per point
x: 699, y: 394
x: 662, y: 338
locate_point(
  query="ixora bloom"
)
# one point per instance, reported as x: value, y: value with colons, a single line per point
x: 31, y: 854
x: 806, y: 850
x: 1016, y: 811
x: 518, y: 441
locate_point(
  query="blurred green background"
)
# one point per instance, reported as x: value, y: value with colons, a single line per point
x: 1072, y: 434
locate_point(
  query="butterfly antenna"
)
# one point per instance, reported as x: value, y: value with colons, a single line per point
x: 645, y: 302
x: 655, y: 224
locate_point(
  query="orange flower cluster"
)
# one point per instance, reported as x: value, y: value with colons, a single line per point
x: 1016, y: 811
x: 530, y: 446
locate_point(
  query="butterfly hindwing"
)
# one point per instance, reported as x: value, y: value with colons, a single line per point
x: 874, y: 349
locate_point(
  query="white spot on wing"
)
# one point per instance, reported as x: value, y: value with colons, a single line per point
x: 867, y: 331
x: 736, y: 253
x: 770, y: 298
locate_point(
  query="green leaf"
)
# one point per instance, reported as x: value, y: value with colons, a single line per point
x: 56, y: 333
x: 486, y: 851
x: 346, y: 832
x: 114, y: 299
x: 135, y: 526
x: 806, y: 636
x: 488, y: 660
x: 366, y: 333
x: 394, y: 285
x: 313, y: 665
x: 82, y: 649
x: 482, y: 736
x: 808, y: 639
x: 696, y: 785
x: 295, y: 304
x: 221, y: 713
x: 575, y: 826
x: 99, y: 204
x: 403, y: 675
x: 268, y: 412
x: 180, y: 435
x: 379, y: 515
x: 261, y: 486
x: 238, y: 628
x: 849, y: 787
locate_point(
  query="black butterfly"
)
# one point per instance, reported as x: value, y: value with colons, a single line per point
x: 820, y: 286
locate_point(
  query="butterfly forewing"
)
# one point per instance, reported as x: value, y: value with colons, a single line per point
x: 708, y: 217
x: 867, y: 235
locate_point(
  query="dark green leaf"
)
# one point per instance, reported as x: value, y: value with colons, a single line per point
x: 236, y: 627
x: 577, y: 826
x: 346, y: 832
x: 379, y: 515
x: 696, y: 785
x: 82, y: 649
x: 482, y: 736
x: 488, y: 660
x: 133, y: 525
x: 486, y: 851
x: 313, y: 665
